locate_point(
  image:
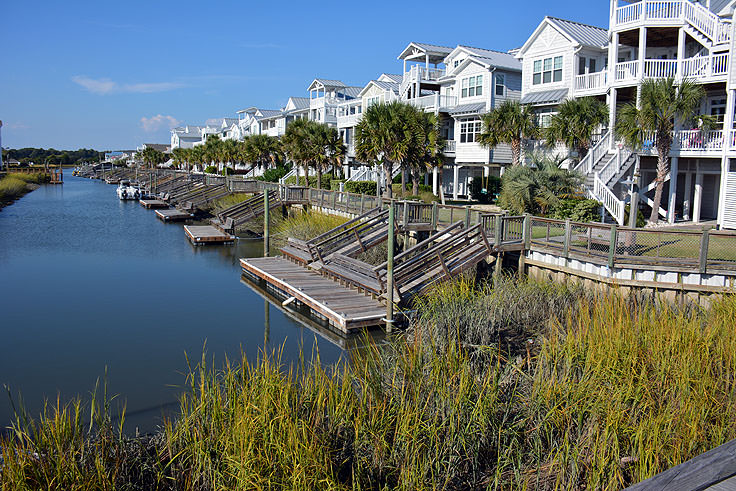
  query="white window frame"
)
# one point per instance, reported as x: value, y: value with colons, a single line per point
x: 500, y: 83
x: 547, y: 66
x: 470, y: 129
x: 471, y: 86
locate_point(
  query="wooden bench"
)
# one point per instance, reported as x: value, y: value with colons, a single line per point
x: 357, y: 273
x: 297, y: 251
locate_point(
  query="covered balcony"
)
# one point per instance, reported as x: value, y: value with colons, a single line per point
x: 434, y: 102
x: 591, y: 83
x: 710, y: 68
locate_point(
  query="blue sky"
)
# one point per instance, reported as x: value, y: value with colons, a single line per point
x: 111, y: 75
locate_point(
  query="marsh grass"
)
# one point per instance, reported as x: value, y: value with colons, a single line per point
x: 304, y: 225
x: 12, y: 188
x: 34, y: 178
x: 612, y: 390
x: 228, y: 201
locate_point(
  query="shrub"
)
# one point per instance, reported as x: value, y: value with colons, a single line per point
x: 576, y: 209
x: 335, y: 184
x: 640, y: 220
x: 273, y: 175
x: 228, y: 171
x: 485, y: 189
x: 210, y: 169
x: 326, y: 178
x: 361, y: 187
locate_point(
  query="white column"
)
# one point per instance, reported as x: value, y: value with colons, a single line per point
x: 426, y: 61
x: 698, y: 196
x: 680, y: 51
x: 672, y: 199
x: 455, y: 179
x: 687, y: 202
x: 434, y: 181
x: 642, y: 53
x: 612, y: 110
x: 725, y: 165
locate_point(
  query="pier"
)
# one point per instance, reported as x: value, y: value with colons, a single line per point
x: 207, y: 234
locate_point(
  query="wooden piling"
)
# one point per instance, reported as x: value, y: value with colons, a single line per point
x: 266, y: 234
x: 390, y: 270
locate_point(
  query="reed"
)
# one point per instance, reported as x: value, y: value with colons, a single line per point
x: 305, y: 225
x: 12, y: 188
x: 34, y: 178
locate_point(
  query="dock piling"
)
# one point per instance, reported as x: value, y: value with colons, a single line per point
x: 390, y: 270
x: 266, y: 235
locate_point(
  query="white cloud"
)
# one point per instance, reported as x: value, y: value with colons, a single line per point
x: 155, y: 123
x: 15, y: 125
x: 104, y: 86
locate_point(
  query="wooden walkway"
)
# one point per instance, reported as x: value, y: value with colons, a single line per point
x: 343, y: 308
x: 207, y: 234
x: 153, y: 203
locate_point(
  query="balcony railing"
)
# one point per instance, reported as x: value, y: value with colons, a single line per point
x: 668, y: 11
x: 418, y: 72
x: 591, y: 81
x: 691, y: 140
x: 450, y: 146
x: 348, y: 120
x: 699, y: 68
x: 434, y: 101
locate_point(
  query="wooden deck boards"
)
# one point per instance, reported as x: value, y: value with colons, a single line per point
x: 345, y: 309
x: 153, y: 203
x: 207, y: 234
x: 172, y: 214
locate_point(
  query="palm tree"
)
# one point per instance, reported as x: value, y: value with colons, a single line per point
x: 179, y: 156
x: 664, y: 104
x: 575, y: 122
x: 380, y: 136
x: 426, y: 144
x: 295, y: 146
x: 509, y: 123
x: 529, y: 189
x: 335, y: 149
x: 262, y: 150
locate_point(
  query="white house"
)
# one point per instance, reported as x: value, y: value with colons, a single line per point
x: 324, y: 97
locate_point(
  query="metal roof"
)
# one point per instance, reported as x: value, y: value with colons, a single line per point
x: 582, y: 33
x: 493, y: 58
x: 393, y: 77
x: 325, y: 82
x: 545, y: 97
x: 474, y: 108
x: 299, y: 102
x: 436, y: 53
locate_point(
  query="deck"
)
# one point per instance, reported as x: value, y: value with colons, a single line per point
x: 344, y: 308
x: 172, y: 215
x: 207, y: 234
x: 153, y: 203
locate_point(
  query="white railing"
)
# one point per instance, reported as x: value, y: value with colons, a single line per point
x: 591, y: 81
x: 450, y: 146
x: 699, y: 140
x: 627, y: 70
x: 731, y: 139
x: 448, y: 101
x: 418, y: 72
x: 663, y: 10
x: 435, y: 101
x: 660, y: 68
x: 705, y: 67
x: 614, y: 205
x: 595, y: 154
x: 620, y: 162
x: 702, y: 19
x: 628, y: 13
x: 348, y: 120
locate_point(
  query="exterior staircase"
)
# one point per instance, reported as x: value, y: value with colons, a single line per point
x: 603, y: 167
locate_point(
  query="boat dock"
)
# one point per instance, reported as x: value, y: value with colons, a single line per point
x: 153, y: 203
x: 342, y: 307
x: 172, y: 215
x: 207, y: 234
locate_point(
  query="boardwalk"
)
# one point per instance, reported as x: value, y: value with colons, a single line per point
x: 344, y: 308
x: 207, y: 234
x: 172, y: 214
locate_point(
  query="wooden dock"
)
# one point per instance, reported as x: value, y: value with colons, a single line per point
x: 172, y: 215
x: 207, y: 234
x: 344, y: 308
x: 153, y: 203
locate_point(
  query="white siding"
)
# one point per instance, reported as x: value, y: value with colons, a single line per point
x: 549, y: 43
x: 729, y: 202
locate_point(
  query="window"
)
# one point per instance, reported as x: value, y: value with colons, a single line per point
x: 500, y: 84
x: 543, y: 119
x: 718, y: 109
x: 547, y: 71
x: 372, y: 100
x: 469, y: 130
x: 581, y: 65
x: 472, y: 86
x: 591, y: 65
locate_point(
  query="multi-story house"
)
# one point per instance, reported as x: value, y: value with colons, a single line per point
x: 462, y: 84
x: 646, y: 40
x: 324, y: 98
x: 189, y: 136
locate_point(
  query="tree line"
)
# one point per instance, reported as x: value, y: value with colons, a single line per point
x: 52, y: 156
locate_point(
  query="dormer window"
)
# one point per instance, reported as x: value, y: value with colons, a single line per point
x: 548, y: 70
x: 472, y: 86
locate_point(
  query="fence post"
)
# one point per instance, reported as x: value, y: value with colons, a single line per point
x: 566, y: 245
x: 362, y: 201
x: 390, y: 270
x: 527, y: 232
x: 704, y: 240
x: 498, y: 231
x: 434, y: 215
x: 467, y: 217
x: 266, y: 237
x: 612, y: 245
x: 334, y: 201
x: 406, y: 214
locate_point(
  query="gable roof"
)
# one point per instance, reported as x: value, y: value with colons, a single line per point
x: 389, y: 86
x: 390, y: 77
x: 584, y: 34
x: 418, y: 51
x: 577, y: 33
x: 325, y: 82
x: 488, y: 57
x: 298, y: 103
x: 722, y: 7
x: 268, y: 113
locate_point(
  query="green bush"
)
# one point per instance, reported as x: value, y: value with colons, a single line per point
x: 491, y: 185
x: 228, y: 171
x: 640, y: 220
x: 576, y: 209
x: 335, y: 184
x: 326, y: 178
x: 210, y: 169
x: 361, y: 187
x: 273, y: 175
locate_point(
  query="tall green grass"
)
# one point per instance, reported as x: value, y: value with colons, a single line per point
x: 34, y: 178
x: 12, y: 188
x: 305, y: 226
x: 609, y: 391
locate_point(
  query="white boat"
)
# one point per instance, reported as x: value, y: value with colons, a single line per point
x: 126, y: 190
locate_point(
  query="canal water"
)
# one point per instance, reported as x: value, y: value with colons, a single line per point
x: 89, y: 283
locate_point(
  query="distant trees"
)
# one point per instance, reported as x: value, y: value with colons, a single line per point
x: 64, y: 157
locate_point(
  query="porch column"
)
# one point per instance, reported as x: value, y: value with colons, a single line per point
x: 455, y: 179
x: 680, y: 52
x: 642, y: 50
x: 673, y: 189
x: 687, y: 202
x: 426, y: 61
x: 612, y: 109
x: 698, y: 197
x: 434, y: 181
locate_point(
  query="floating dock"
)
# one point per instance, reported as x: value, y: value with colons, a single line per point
x: 344, y: 308
x: 153, y: 203
x: 172, y: 215
x: 207, y: 234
